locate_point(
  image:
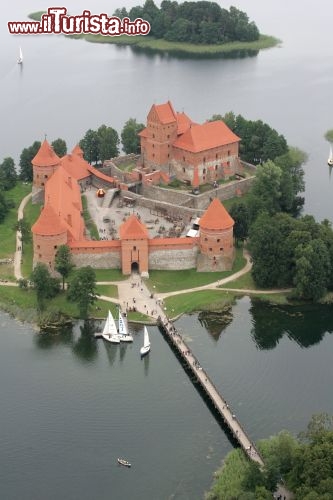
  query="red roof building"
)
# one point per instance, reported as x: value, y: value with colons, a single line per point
x: 174, y: 143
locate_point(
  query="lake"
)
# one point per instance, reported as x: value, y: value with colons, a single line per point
x: 70, y: 405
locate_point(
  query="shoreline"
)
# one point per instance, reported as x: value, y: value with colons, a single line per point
x: 150, y: 44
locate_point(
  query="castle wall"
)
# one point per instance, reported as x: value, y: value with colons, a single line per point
x: 42, y: 174
x: 104, y: 258
x: 45, y: 248
x: 175, y: 255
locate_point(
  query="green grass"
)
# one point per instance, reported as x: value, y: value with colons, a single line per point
x: 127, y: 166
x: 245, y: 281
x: 167, y: 281
x: 139, y: 317
x: 108, y: 290
x: 31, y: 213
x: 90, y: 224
x: 109, y: 275
x: 7, y: 234
x: 204, y: 300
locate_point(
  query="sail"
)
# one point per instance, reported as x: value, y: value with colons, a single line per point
x: 20, y: 59
x: 106, y: 326
x: 330, y: 156
x: 146, y: 342
x: 122, y: 325
x: 111, y: 325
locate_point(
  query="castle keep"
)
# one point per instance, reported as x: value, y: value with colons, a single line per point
x: 171, y: 143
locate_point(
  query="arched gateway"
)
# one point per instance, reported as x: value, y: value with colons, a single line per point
x: 134, y: 246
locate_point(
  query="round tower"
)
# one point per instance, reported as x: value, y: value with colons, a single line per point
x: 44, y: 165
x: 216, y: 239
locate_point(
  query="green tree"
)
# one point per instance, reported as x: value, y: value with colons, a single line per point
x: 26, y: 157
x: 23, y: 227
x: 4, y: 207
x: 240, y: 213
x: 46, y: 287
x: 63, y: 263
x: 129, y: 136
x: 8, y: 176
x: 59, y: 147
x: 267, y: 187
x: 313, y: 269
x: 89, y: 145
x: 82, y: 289
x: 108, y: 141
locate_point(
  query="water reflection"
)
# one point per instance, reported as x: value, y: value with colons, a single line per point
x: 48, y: 340
x: 216, y: 323
x: 306, y: 325
x: 85, y: 347
x: 180, y: 54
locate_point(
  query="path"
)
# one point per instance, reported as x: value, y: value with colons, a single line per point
x: 18, y: 252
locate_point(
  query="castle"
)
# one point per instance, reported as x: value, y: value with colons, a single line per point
x: 171, y: 143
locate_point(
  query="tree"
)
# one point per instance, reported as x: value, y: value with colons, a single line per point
x: 23, y: 227
x: 4, y: 207
x: 82, y: 289
x: 89, y: 145
x: 63, y: 263
x: 26, y: 157
x: 267, y: 187
x: 129, y: 136
x: 108, y: 141
x: 240, y: 213
x: 46, y: 287
x: 313, y: 270
x: 8, y: 176
x: 60, y: 147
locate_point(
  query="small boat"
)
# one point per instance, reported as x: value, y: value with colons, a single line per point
x: 122, y: 329
x: 146, y: 343
x: 122, y: 461
x: 20, y: 58
x: 110, y: 330
x: 330, y: 157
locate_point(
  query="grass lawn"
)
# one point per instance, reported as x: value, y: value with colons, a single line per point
x: 204, y: 300
x: 245, y: 281
x: 108, y: 290
x: 136, y: 316
x: 7, y: 233
x: 167, y: 281
x: 90, y: 224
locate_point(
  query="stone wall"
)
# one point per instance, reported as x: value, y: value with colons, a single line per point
x: 171, y: 196
x: 107, y: 260
x: 173, y: 259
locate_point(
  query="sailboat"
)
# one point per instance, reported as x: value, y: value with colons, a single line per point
x: 110, y: 330
x: 122, y: 329
x: 146, y: 343
x: 20, y: 58
x: 330, y: 157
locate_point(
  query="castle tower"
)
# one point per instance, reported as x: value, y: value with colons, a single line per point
x: 48, y: 234
x: 134, y: 246
x: 44, y: 164
x: 216, y: 239
x: 158, y: 136
x: 77, y: 151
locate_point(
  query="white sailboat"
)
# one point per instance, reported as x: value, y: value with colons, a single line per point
x: 122, y: 329
x: 330, y: 157
x: 110, y: 330
x: 20, y: 58
x: 146, y: 343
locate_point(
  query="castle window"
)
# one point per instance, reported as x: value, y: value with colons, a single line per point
x: 153, y: 155
x: 210, y: 249
x: 37, y: 176
x: 134, y: 249
x: 216, y: 156
x: 153, y: 145
x: 42, y: 184
x: 184, y: 169
x: 204, y: 159
x: 218, y: 240
x: 38, y: 247
x: 206, y: 239
x: 168, y: 156
x: 229, y: 152
x: 45, y: 176
x: 204, y: 171
x: 153, y: 136
x: 203, y: 177
x: 168, y: 136
x: 228, y: 163
x: 40, y: 255
x: 221, y: 249
x: 216, y: 167
x: 183, y: 158
x: 55, y: 247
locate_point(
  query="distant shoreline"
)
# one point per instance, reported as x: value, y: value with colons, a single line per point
x: 159, y: 45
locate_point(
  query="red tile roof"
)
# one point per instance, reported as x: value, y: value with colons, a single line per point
x: 216, y: 217
x: 207, y: 136
x: 165, y: 112
x: 77, y: 151
x: 45, y: 157
x: 133, y: 229
x: 75, y: 166
x: 48, y: 223
x: 183, y: 122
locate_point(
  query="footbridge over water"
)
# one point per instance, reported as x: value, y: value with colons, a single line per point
x: 201, y: 377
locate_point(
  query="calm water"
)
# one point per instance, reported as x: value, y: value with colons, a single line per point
x: 70, y: 406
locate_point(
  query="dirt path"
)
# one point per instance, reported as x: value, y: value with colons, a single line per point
x: 18, y: 252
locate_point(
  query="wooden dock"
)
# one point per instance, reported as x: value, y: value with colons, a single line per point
x: 219, y: 403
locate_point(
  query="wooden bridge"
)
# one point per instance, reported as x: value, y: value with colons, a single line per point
x: 219, y: 403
